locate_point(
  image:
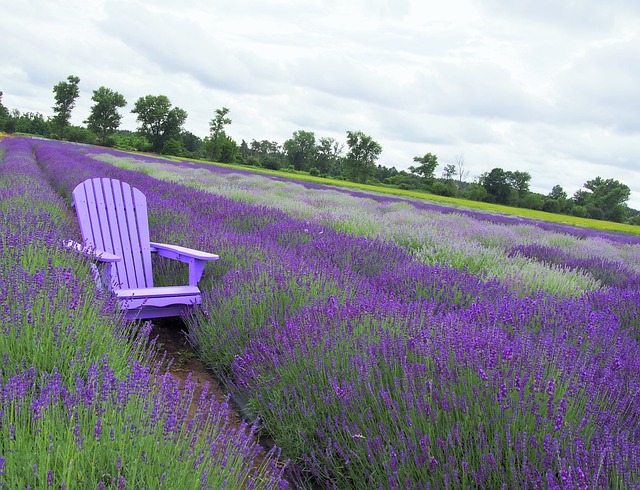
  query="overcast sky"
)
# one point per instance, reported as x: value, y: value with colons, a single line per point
x: 550, y: 87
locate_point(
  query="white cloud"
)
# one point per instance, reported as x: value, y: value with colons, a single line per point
x: 541, y: 86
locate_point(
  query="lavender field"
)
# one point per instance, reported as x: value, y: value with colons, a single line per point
x: 381, y: 343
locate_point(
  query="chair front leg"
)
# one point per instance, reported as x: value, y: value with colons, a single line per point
x: 196, y: 268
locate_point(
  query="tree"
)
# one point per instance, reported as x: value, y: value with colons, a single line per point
x: 449, y: 172
x: 476, y: 192
x: 4, y: 115
x: 216, y: 132
x: 65, y: 94
x: 328, y: 153
x: 498, y: 186
x: 604, y: 199
x: 360, y: 161
x: 159, y: 122
x: 557, y: 193
x: 80, y: 134
x: 104, y: 117
x: 192, y: 144
x: 227, y: 148
x: 31, y: 123
x: 462, y: 173
x: 301, y: 150
x: 556, y: 200
x: 519, y: 181
x: 427, y: 167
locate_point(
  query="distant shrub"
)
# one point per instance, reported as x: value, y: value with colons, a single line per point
x: 79, y: 134
x: 271, y: 162
x: 442, y: 189
x: 173, y: 147
x: 314, y: 172
x: 579, y: 211
x: 594, y: 212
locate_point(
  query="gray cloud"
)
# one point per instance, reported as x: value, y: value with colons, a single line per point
x: 542, y: 86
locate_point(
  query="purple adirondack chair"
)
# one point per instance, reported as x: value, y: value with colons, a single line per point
x: 115, y: 229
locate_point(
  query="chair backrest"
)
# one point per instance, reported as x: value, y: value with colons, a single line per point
x: 113, y: 217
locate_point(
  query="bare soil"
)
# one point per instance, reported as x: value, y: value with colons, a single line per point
x: 171, y: 339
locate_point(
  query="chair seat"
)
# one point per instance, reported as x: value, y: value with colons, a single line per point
x: 159, y: 296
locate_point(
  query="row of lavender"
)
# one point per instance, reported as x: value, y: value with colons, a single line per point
x: 371, y: 368
x: 82, y: 405
x: 522, y: 255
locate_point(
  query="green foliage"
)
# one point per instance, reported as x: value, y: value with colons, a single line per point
x: 104, y: 118
x: 533, y: 201
x: 443, y: 188
x: 78, y: 134
x: 328, y: 152
x: 192, y: 144
x: 271, y: 162
x: 475, y: 192
x: 126, y: 140
x: 579, y: 211
x: 360, y: 162
x: 427, y: 167
x: 173, y: 147
x: 301, y: 150
x: 159, y: 122
x: 65, y: 94
x: 218, y: 139
x: 4, y: 116
x: 32, y: 123
x: 604, y: 199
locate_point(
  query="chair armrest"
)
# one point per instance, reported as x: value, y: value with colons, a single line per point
x: 176, y: 252
x: 91, y: 252
x: 195, y: 258
x: 104, y: 262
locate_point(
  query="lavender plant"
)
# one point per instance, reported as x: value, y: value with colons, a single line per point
x: 473, y: 242
x: 372, y: 368
x: 81, y: 404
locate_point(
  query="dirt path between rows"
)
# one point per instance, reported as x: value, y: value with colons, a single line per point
x: 170, y: 334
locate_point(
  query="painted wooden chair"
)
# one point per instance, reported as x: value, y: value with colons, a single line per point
x: 115, y: 229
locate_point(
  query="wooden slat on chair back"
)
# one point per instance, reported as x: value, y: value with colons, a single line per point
x: 113, y: 218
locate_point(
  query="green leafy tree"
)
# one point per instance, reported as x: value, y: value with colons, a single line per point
x: 556, y: 201
x: 476, y: 192
x: 360, y: 161
x: 228, y: 149
x: 217, y: 133
x: 65, y: 94
x: 604, y: 199
x: 557, y: 193
x: 301, y: 150
x: 328, y: 153
x: 159, y: 122
x: 192, y: 144
x: 449, y: 171
x: 533, y: 200
x: 498, y: 185
x: 426, y: 169
x: 173, y: 146
x: 519, y: 181
x: 32, y: 123
x: 104, y: 118
x: 4, y: 115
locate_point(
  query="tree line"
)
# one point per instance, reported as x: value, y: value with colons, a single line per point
x: 160, y: 129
